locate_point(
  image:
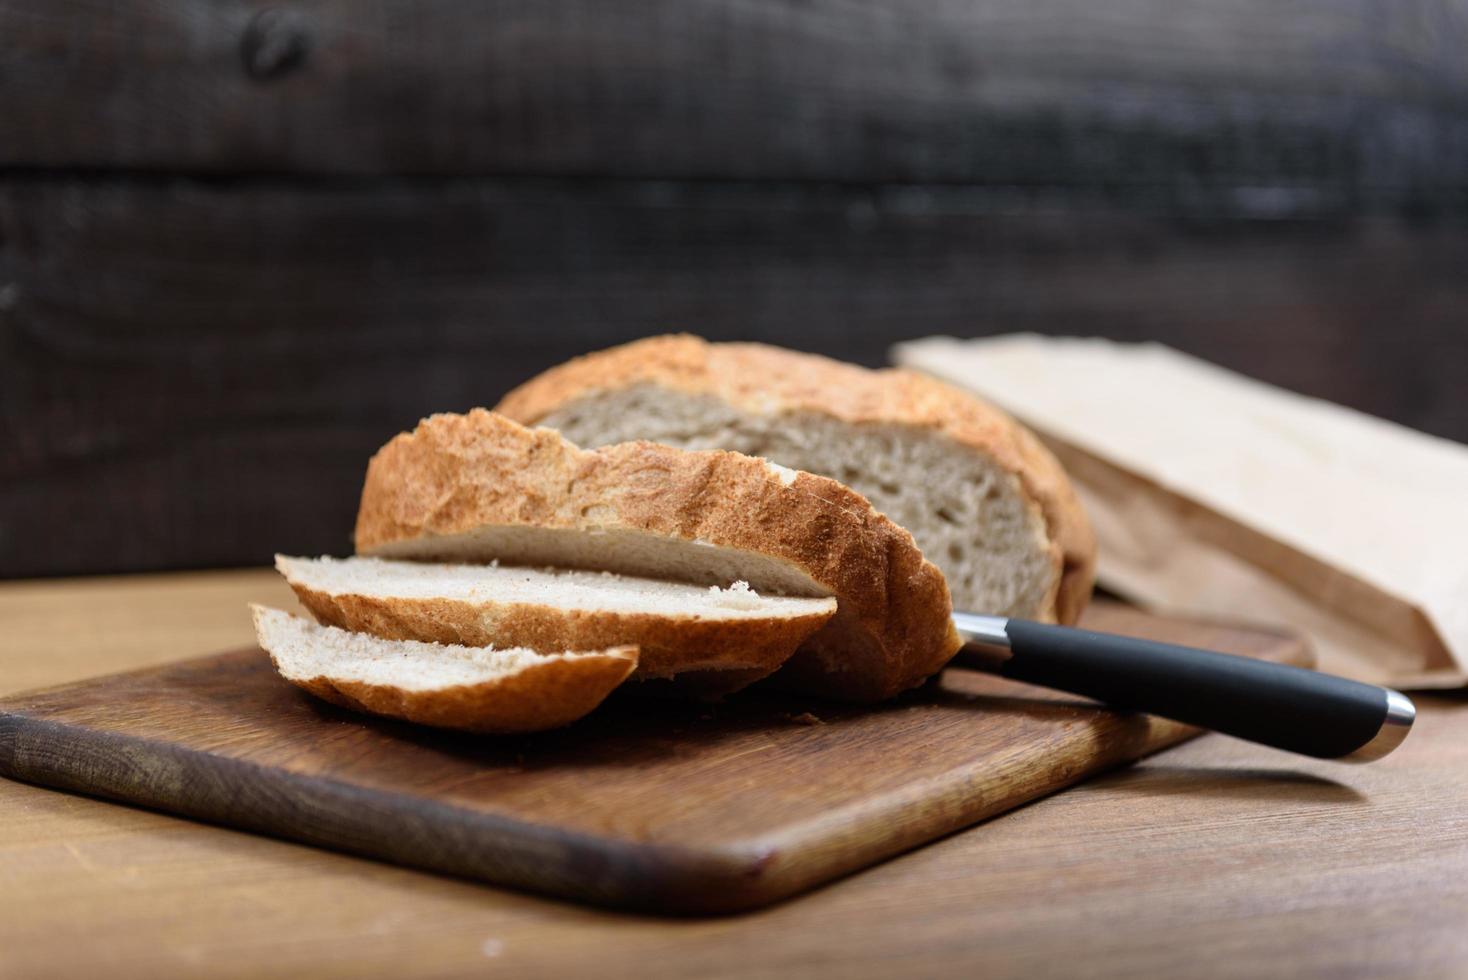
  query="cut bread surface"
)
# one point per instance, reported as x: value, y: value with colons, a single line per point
x: 970, y: 517
x: 621, y: 551
x: 478, y: 487
x: 477, y: 689
x: 680, y: 628
x: 983, y: 499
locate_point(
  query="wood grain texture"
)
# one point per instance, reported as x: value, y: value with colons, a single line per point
x: 1265, y: 105
x: 241, y: 243
x: 1215, y: 859
x: 670, y: 807
x: 222, y: 359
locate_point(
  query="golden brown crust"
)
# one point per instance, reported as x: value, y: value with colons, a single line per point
x: 543, y: 696
x: 457, y: 473
x: 667, y: 645
x: 770, y: 380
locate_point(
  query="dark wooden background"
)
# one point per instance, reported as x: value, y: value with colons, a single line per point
x: 242, y: 244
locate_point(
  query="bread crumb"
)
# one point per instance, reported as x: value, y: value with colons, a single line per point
x: 784, y: 474
x: 804, y: 718
x: 737, y: 596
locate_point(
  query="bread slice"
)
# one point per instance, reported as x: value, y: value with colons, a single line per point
x: 478, y: 689
x: 678, y: 628
x: 984, y: 500
x: 478, y: 487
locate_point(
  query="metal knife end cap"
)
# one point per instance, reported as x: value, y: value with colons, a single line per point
x: 1400, y: 713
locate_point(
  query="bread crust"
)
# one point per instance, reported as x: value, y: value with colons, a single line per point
x: 539, y: 697
x: 456, y: 473
x: 761, y: 379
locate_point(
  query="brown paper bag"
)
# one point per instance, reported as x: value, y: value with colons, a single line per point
x: 1219, y: 496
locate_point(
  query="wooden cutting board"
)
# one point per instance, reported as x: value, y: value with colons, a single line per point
x: 655, y: 805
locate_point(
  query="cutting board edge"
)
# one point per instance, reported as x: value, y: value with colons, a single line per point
x: 668, y: 879
x: 1153, y: 735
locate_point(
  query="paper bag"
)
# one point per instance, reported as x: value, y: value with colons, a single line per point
x: 1215, y: 495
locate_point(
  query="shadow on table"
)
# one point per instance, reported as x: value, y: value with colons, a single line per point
x: 1218, y: 781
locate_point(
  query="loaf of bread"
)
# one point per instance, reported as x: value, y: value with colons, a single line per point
x: 480, y: 487
x: 743, y: 510
x: 477, y: 689
x: 984, y: 500
x: 734, y: 634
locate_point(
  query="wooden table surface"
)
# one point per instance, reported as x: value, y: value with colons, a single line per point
x: 1214, y: 859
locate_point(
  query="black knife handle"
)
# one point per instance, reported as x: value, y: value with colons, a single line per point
x: 1286, y: 707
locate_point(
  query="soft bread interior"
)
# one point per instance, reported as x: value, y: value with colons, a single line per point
x: 303, y: 650
x: 564, y: 589
x: 621, y: 552
x: 840, y: 644
x: 969, y: 517
x: 680, y: 629
x: 476, y: 689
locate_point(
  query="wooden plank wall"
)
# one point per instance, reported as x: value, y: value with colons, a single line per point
x: 242, y: 244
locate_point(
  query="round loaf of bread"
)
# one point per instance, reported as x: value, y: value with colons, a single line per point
x: 986, y: 502
x: 480, y: 487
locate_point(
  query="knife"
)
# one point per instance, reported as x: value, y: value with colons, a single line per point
x: 1273, y: 704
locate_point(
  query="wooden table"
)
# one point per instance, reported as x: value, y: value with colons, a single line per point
x: 1217, y: 858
